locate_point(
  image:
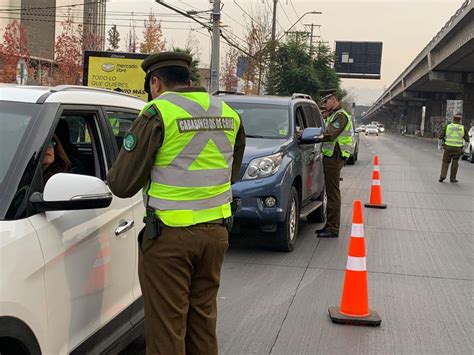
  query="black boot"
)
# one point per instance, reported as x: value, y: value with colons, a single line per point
x: 327, y: 233
x: 454, y: 180
x: 441, y: 179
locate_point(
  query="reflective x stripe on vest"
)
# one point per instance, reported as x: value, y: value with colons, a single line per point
x: 190, y: 181
x: 454, y: 135
x: 344, y: 139
x: 115, y: 123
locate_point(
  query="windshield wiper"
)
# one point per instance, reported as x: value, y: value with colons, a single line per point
x: 254, y: 136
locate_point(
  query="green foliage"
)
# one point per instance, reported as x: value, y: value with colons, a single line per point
x: 194, y: 68
x: 294, y: 70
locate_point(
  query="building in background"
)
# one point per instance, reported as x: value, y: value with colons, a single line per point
x: 42, y: 21
x: 94, y: 24
x: 453, y: 107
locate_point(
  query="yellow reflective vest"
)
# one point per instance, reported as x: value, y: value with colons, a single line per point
x: 344, y: 139
x: 454, y: 135
x: 190, y: 179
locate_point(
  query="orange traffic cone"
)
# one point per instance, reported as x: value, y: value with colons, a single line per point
x: 354, y: 308
x: 376, y: 192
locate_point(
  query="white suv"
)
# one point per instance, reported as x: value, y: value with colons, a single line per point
x: 469, y: 148
x: 68, y: 251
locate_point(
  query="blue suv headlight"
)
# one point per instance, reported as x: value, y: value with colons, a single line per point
x: 263, y: 167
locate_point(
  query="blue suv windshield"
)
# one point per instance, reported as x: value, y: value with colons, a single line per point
x: 263, y: 120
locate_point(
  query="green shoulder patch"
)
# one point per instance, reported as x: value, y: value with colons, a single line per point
x: 129, y: 141
x: 150, y: 112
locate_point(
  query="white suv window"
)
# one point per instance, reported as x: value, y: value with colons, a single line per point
x: 120, y: 122
x: 78, y: 137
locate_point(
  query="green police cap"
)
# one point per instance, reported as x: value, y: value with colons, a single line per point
x: 326, y: 94
x: 166, y: 59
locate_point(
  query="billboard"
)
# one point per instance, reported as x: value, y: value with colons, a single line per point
x: 115, y: 71
x: 358, y: 60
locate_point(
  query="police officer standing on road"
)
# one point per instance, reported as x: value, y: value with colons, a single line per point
x: 452, y: 135
x: 337, y: 144
x: 184, y: 150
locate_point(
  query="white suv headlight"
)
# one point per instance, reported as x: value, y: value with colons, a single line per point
x: 263, y: 167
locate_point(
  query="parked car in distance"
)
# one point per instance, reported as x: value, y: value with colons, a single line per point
x: 282, y: 177
x: 68, y: 250
x: 371, y: 130
x: 469, y: 148
x: 355, y: 145
x: 381, y: 128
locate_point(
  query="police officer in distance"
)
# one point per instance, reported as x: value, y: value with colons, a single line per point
x: 336, y: 148
x: 184, y: 150
x: 453, y: 136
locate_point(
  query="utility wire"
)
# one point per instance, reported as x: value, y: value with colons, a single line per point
x: 98, y: 24
x: 271, y: 10
x: 294, y: 9
x: 284, y: 11
x: 161, y: 2
x: 80, y: 13
x: 61, y: 6
x: 32, y: 17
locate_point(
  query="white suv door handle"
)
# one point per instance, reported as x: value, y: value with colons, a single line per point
x: 123, y: 227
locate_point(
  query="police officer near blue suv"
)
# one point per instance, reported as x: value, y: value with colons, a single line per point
x: 337, y: 144
x: 184, y: 150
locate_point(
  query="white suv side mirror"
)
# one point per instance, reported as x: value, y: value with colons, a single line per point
x: 72, y: 192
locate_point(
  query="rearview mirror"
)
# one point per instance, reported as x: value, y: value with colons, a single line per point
x: 312, y: 135
x: 66, y: 192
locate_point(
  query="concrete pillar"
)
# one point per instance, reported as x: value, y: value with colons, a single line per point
x: 413, y: 119
x: 468, y: 105
x: 434, y: 108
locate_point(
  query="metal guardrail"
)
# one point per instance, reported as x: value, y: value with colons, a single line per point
x: 431, y: 44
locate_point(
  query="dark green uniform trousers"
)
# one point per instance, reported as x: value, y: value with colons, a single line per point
x: 179, y: 276
x: 332, y: 174
x: 451, y: 156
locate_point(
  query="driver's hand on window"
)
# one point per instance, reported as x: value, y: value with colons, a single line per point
x: 299, y: 132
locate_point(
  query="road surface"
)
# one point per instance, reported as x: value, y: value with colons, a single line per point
x: 419, y: 257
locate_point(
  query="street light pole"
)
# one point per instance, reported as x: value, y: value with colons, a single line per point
x: 301, y: 17
x: 215, y: 56
x: 275, y: 2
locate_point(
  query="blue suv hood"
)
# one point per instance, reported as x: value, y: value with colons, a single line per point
x: 259, y: 147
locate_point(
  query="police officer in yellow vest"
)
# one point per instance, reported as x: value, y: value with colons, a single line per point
x: 337, y: 144
x: 184, y: 150
x: 453, y: 136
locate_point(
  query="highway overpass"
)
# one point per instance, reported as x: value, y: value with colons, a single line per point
x: 443, y: 70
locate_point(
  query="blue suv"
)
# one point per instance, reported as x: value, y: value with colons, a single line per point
x: 282, y: 178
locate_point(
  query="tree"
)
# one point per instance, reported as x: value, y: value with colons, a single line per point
x: 68, y: 53
x: 258, y: 44
x: 90, y: 39
x: 153, y: 41
x: 193, y: 44
x: 194, y: 67
x: 114, y: 38
x: 322, y: 62
x: 132, y: 40
x: 295, y: 70
x: 14, y: 47
x: 229, y: 70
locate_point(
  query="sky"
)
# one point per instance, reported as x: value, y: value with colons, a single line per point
x: 404, y: 27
